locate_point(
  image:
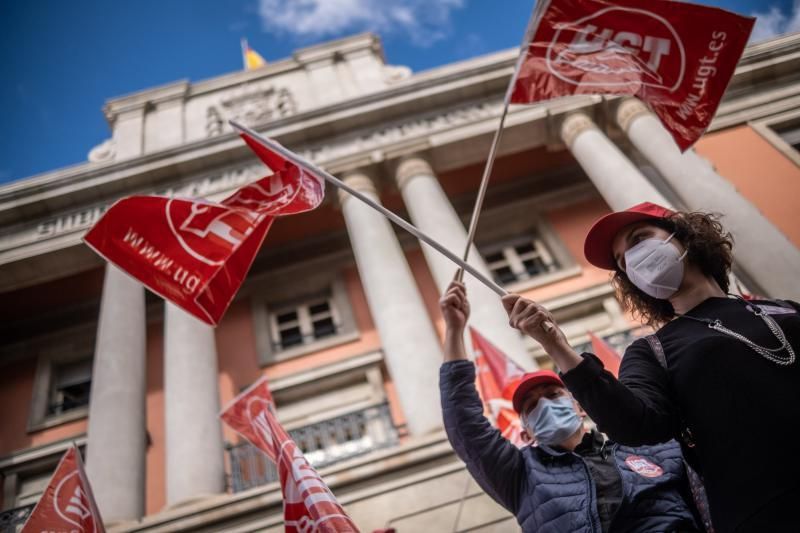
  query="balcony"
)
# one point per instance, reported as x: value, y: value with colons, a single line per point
x: 324, y: 443
x: 11, y: 520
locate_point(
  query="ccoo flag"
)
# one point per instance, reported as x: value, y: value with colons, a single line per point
x: 308, y: 503
x: 676, y: 57
x: 196, y: 253
x: 67, y: 504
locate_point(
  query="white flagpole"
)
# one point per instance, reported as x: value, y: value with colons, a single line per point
x: 487, y: 169
x: 243, y: 42
x: 301, y: 162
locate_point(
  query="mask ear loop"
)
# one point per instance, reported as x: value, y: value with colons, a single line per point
x: 685, y: 251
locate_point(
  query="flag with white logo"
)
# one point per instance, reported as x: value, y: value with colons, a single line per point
x: 67, y: 504
x: 676, y: 57
x: 498, y: 376
x: 196, y: 253
x: 308, y: 504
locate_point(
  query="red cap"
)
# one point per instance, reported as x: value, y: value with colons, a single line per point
x: 531, y: 380
x: 597, y: 247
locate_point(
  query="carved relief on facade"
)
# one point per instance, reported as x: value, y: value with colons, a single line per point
x: 250, y: 107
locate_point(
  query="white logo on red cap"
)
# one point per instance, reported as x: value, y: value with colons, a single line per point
x: 643, y: 467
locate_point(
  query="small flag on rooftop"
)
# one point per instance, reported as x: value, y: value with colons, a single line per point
x: 251, y: 58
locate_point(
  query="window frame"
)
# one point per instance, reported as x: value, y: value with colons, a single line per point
x: 765, y: 128
x: 266, y: 310
x: 68, y: 346
x: 515, y: 224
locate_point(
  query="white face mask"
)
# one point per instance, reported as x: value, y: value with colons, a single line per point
x: 656, y: 267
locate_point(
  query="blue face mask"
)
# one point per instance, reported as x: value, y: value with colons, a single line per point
x: 553, y: 421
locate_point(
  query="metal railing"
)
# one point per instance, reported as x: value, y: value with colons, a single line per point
x: 323, y: 444
x: 11, y: 520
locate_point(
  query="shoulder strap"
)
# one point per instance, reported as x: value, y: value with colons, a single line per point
x: 658, y: 350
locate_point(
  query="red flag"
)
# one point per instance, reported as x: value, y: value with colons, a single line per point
x: 608, y: 355
x: 196, y: 253
x: 675, y: 56
x: 67, y: 504
x: 497, y: 377
x: 505, y: 371
x: 308, y: 503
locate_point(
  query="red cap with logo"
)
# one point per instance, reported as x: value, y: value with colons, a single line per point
x: 597, y: 247
x: 531, y: 380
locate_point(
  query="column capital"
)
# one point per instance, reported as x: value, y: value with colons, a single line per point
x: 411, y: 167
x: 360, y: 181
x: 628, y: 111
x: 574, y: 125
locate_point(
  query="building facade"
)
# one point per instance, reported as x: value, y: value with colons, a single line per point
x: 340, y: 309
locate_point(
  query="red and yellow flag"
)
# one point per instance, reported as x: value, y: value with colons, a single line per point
x: 251, y: 58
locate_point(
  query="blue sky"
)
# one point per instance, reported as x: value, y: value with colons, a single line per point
x: 61, y: 60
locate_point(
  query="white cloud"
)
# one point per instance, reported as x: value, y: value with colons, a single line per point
x: 775, y: 22
x: 424, y: 21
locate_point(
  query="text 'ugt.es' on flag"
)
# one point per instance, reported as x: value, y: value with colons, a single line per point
x: 196, y: 253
x: 67, y: 504
x: 676, y: 57
x: 308, y: 503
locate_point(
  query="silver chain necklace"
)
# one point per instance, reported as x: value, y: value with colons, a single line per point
x: 770, y: 354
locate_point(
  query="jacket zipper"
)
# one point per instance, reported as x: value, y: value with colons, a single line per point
x: 592, y: 494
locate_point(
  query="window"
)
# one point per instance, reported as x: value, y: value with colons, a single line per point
x: 304, y: 323
x: 790, y: 133
x: 519, y: 260
x: 291, y: 326
x: 63, y: 380
x: 71, y: 383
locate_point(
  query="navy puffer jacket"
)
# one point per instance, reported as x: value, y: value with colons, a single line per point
x: 550, y: 491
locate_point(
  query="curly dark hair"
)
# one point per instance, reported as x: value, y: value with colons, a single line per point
x: 710, y: 248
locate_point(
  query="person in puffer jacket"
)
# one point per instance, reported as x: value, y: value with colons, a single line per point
x: 572, y: 480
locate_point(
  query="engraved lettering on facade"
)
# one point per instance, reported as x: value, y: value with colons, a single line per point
x: 251, y: 108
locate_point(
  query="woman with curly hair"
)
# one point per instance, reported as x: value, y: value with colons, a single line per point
x: 719, y: 374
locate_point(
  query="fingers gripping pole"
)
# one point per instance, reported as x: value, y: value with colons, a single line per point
x: 310, y: 167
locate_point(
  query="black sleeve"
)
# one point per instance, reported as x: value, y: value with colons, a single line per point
x: 495, y: 463
x: 635, y: 409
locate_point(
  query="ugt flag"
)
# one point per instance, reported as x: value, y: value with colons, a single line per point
x: 196, y: 253
x: 67, y: 504
x: 676, y: 57
x: 308, y: 503
x: 498, y: 376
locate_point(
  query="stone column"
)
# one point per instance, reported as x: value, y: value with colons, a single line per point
x: 432, y: 212
x: 617, y: 179
x: 195, y: 462
x: 117, y: 432
x: 410, y: 344
x: 767, y: 257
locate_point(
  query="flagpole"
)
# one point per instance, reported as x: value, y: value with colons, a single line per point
x: 243, y: 42
x: 301, y: 162
x: 487, y: 169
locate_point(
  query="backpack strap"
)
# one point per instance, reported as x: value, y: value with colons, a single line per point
x: 658, y: 350
x: 687, y: 439
x: 695, y: 481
